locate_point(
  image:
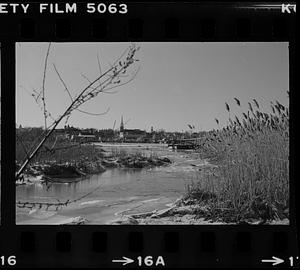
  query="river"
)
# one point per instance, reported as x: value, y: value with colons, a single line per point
x: 118, y: 191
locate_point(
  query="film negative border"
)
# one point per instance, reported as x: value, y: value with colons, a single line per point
x: 151, y: 22
x: 97, y: 246
x: 179, y: 246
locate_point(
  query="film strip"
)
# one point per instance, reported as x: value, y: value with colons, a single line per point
x: 142, y: 246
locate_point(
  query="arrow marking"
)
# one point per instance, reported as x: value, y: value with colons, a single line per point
x: 274, y: 260
x: 125, y: 260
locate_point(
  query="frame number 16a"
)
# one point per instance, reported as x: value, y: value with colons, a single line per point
x: 150, y: 261
x: 142, y: 261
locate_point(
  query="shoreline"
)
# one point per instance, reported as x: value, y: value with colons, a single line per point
x: 163, y: 212
x: 157, y: 210
x: 69, y: 172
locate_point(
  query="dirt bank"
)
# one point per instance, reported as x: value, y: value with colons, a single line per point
x: 73, y: 171
x: 181, y: 214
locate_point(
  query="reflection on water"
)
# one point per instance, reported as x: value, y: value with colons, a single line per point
x: 121, y: 183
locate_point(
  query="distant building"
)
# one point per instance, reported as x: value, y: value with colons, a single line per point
x: 131, y: 135
x: 84, y: 136
x: 87, y: 137
x: 134, y: 135
x: 122, y: 128
x: 61, y: 133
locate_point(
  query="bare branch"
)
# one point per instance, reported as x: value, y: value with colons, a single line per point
x: 99, y: 66
x: 85, y: 77
x: 95, y: 114
x: 43, y: 86
x: 85, y: 95
x: 97, y: 88
x: 57, y: 205
x: 62, y: 81
x: 66, y: 88
x: 133, y: 76
x: 52, y: 147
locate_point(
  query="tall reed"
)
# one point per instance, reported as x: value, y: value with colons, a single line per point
x: 252, y: 154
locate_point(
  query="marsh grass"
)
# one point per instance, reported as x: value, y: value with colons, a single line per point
x: 63, y: 151
x: 118, y: 152
x: 252, y: 154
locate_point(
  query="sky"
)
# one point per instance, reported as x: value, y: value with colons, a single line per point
x: 178, y: 83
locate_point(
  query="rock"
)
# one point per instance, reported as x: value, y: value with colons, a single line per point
x: 151, y: 161
x: 75, y: 221
x: 92, y: 167
x: 140, y: 164
x: 62, y: 171
x: 23, y: 181
x: 165, y: 159
x: 33, y: 171
x: 178, y: 201
x: 184, y: 210
x: 158, y: 162
x: 164, y: 212
x: 144, y: 215
x: 125, y: 220
x: 109, y: 163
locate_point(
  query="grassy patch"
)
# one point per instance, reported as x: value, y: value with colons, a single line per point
x: 88, y: 158
x: 118, y: 152
x: 56, y: 149
x: 252, y: 177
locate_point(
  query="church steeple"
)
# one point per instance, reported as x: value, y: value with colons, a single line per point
x: 122, y: 125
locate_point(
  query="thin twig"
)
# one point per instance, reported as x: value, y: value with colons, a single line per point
x: 31, y: 205
x: 85, y: 95
x: 94, y: 114
x: 43, y: 86
x: 97, y: 87
x: 133, y: 76
x: 99, y: 66
x: 66, y: 88
x: 62, y: 81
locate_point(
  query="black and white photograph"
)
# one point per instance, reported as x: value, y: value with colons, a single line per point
x: 152, y: 133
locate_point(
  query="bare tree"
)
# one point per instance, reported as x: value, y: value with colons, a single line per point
x: 104, y: 83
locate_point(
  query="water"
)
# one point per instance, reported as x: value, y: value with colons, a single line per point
x: 124, y: 188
